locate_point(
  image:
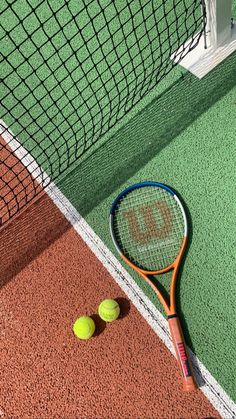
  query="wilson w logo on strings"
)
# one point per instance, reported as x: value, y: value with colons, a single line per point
x: 148, y: 222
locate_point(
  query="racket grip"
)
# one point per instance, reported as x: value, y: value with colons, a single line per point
x: 189, y: 383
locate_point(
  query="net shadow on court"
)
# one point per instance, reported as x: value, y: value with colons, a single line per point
x: 142, y: 138
x: 28, y: 234
x: 113, y: 163
x: 145, y: 135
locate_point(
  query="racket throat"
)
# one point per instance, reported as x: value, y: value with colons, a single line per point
x: 164, y: 288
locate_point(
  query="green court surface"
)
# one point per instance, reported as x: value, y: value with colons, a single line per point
x: 182, y: 134
x: 186, y: 139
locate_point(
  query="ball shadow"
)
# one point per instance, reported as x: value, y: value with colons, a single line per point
x: 124, y: 307
x: 99, y: 323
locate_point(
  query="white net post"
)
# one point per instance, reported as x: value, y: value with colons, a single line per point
x: 218, y: 42
x: 219, y: 14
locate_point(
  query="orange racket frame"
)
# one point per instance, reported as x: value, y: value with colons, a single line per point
x: 189, y: 383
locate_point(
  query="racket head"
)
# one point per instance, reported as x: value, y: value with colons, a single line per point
x: 148, y: 226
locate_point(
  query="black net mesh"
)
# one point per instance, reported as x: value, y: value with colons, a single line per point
x: 70, y: 70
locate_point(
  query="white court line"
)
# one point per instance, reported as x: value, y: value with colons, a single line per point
x: 210, y: 387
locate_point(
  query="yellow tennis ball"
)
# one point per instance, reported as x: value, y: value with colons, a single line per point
x: 84, y: 327
x: 109, y: 310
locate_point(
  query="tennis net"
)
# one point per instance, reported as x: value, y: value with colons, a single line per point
x: 70, y: 71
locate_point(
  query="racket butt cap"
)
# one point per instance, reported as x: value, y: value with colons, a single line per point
x: 190, y: 384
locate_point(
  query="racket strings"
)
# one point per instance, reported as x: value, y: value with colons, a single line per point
x: 149, y: 227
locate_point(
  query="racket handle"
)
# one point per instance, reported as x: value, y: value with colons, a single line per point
x: 189, y: 382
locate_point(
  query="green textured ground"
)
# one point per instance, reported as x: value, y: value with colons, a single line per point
x: 185, y: 137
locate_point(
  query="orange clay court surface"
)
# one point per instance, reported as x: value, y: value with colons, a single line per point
x: 49, y: 277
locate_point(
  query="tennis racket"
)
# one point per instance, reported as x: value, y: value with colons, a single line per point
x: 148, y: 226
